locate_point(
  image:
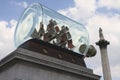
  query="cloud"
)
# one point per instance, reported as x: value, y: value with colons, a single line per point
x: 115, y: 71
x: 81, y: 10
x: 85, y: 12
x: 110, y: 26
x: 114, y: 4
x: 21, y: 4
x: 7, y: 37
x: 13, y: 23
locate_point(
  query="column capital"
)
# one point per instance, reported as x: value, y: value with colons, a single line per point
x: 102, y: 43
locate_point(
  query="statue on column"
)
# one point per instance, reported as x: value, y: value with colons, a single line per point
x: 101, y: 34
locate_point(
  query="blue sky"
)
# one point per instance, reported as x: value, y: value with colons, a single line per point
x: 92, y: 13
x: 12, y: 8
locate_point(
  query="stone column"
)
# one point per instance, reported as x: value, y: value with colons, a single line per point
x: 102, y: 43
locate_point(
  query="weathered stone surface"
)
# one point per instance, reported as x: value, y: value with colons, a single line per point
x: 25, y: 64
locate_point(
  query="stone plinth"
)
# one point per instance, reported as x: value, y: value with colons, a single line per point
x: 33, y: 61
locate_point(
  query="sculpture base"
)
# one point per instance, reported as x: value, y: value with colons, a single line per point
x: 27, y: 64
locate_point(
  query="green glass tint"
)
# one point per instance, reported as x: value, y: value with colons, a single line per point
x: 42, y: 23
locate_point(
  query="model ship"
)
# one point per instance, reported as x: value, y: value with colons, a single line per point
x: 42, y: 23
x: 54, y: 34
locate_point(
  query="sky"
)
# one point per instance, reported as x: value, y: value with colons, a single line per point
x: 91, y: 13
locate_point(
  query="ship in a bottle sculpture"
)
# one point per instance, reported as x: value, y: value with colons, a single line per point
x: 42, y: 23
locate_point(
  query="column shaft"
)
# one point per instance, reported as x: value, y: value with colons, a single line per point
x: 105, y: 64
